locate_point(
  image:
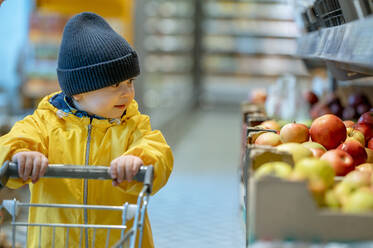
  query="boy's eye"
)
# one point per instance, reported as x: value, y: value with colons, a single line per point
x: 115, y: 85
x: 130, y: 82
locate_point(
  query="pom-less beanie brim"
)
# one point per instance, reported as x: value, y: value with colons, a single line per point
x: 93, y: 77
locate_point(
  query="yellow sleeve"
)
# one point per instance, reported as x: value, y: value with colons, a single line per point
x: 26, y: 135
x: 153, y: 149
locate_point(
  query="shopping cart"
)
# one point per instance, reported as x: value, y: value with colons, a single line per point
x: 129, y: 211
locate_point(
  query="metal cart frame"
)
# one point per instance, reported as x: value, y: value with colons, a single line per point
x: 129, y: 211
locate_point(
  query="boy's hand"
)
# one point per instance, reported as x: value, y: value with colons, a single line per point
x: 32, y: 164
x: 124, y: 168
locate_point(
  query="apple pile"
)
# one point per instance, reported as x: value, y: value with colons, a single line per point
x: 319, y: 174
x: 354, y: 194
x: 344, y: 144
x: 330, y: 147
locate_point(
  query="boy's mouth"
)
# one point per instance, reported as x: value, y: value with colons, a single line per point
x: 120, y: 106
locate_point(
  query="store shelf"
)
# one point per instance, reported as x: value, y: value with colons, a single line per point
x: 249, y: 46
x: 255, y: 1
x: 253, y: 66
x: 244, y: 54
x: 348, y: 47
x: 251, y: 28
x: 218, y: 10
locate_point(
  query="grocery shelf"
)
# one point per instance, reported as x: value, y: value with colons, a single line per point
x: 162, y: 52
x: 250, y: 35
x: 347, y: 48
x: 235, y: 53
x: 218, y: 10
x: 253, y: 28
x: 257, y: 74
x: 255, y: 1
x: 243, y: 17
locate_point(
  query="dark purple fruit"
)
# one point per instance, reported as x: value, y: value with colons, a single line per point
x: 356, y: 99
x: 336, y: 109
x: 349, y: 113
x: 362, y: 108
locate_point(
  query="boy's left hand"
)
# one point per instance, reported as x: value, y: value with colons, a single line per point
x: 124, y: 168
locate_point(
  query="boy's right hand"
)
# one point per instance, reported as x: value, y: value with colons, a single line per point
x: 32, y: 164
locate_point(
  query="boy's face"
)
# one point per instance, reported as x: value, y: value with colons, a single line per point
x: 108, y: 102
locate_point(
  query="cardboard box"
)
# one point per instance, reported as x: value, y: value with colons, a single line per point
x: 262, y: 154
x: 284, y: 210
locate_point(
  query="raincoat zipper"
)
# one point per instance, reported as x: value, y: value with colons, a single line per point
x: 85, y: 196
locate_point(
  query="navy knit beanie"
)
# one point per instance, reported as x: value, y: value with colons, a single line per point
x: 93, y: 56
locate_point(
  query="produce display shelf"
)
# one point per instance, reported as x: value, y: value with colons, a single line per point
x: 350, y: 46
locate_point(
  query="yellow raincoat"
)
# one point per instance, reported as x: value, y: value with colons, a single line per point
x: 69, y: 139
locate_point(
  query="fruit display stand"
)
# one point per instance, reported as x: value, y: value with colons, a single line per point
x: 285, y: 210
x: 277, y: 210
x: 281, y: 211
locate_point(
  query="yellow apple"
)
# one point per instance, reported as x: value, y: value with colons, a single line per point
x: 356, y: 135
x: 297, y: 150
x: 277, y: 168
x: 360, y: 201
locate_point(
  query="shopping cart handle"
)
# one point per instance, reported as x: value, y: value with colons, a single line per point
x: 10, y: 170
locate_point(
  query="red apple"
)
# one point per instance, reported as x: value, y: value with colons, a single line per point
x: 349, y: 123
x: 340, y: 160
x: 271, y: 124
x: 294, y: 132
x: 356, y: 150
x: 329, y: 131
x: 370, y: 143
x: 317, y: 152
x: 366, y: 118
x: 366, y: 129
x: 269, y: 139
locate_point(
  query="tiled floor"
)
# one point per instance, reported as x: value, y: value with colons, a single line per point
x: 199, y: 206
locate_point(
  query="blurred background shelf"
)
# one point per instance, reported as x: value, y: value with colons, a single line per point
x: 349, y: 46
x: 247, y: 11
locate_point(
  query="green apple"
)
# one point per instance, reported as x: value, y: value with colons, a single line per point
x: 310, y: 144
x: 331, y: 200
x: 343, y: 191
x: 277, y: 168
x: 297, y: 150
x: 366, y: 167
x: 316, y: 170
x: 356, y: 135
x: 360, y: 201
x: 357, y: 179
